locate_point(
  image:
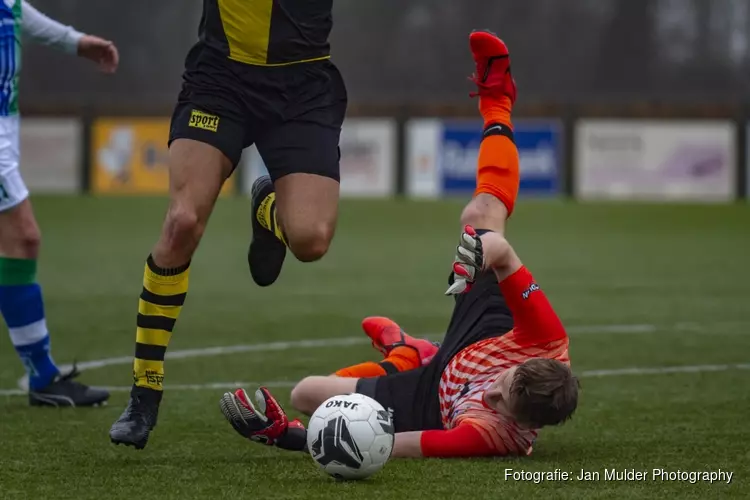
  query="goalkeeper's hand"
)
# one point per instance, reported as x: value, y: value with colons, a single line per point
x: 468, y: 263
x: 263, y: 422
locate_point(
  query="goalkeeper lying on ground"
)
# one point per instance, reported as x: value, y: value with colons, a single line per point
x: 502, y: 371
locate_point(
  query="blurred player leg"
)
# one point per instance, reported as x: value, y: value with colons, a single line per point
x: 197, y: 172
x: 20, y: 295
x: 498, y: 166
x: 21, y: 301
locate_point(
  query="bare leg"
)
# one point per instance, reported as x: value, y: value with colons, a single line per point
x: 20, y: 237
x: 485, y: 211
x: 196, y: 174
x: 307, y: 207
x: 310, y: 393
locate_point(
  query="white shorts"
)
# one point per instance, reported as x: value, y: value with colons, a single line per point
x: 12, y: 188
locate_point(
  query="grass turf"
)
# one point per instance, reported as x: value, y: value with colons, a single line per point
x: 679, y: 273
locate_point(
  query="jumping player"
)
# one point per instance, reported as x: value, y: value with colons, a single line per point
x: 260, y: 73
x: 21, y: 302
x: 502, y: 371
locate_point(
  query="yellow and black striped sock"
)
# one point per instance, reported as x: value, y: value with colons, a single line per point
x: 267, y: 218
x: 164, y: 292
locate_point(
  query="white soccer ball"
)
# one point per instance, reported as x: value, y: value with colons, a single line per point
x: 351, y: 436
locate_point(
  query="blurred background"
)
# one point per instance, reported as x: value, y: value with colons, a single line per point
x: 576, y: 62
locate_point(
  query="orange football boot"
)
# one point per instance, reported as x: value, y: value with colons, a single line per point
x: 493, y: 76
x: 386, y: 335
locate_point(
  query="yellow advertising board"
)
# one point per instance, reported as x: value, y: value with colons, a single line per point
x: 129, y: 156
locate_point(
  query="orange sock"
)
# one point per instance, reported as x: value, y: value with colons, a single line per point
x: 496, y: 110
x: 498, y: 170
x: 368, y: 369
x: 401, y: 359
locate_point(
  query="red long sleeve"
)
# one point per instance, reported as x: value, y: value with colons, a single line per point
x: 462, y: 441
x: 535, y: 322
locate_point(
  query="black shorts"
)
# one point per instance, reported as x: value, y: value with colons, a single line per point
x: 412, y: 396
x: 293, y: 114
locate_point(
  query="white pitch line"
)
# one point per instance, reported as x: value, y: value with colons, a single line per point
x: 284, y: 384
x: 215, y: 351
x: 232, y: 349
x: 659, y: 370
x: 330, y: 342
x: 336, y: 342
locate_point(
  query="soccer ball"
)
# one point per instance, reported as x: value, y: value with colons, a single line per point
x: 351, y: 436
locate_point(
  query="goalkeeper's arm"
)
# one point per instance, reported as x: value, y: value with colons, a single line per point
x: 462, y: 441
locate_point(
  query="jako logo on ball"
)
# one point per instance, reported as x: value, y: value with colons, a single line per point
x: 339, y: 404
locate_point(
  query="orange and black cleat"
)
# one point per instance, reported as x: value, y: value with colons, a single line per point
x: 386, y: 335
x: 493, y: 76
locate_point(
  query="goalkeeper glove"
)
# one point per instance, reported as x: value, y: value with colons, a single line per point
x: 468, y: 263
x: 263, y: 422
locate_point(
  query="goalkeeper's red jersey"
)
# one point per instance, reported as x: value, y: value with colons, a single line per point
x: 476, y: 428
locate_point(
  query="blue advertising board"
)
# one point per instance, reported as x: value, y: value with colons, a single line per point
x: 539, y: 145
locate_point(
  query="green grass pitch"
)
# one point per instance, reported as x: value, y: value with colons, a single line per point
x: 639, y: 286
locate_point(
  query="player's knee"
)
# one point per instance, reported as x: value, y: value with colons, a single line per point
x: 311, y: 243
x: 471, y: 215
x: 303, y: 397
x: 21, y: 238
x: 485, y: 212
x: 29, y: 241
x: 475, y: 214
x: 183, y: 228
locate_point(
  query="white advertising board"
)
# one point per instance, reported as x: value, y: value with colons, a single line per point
x: 51, y: 156
x: 655, y: 160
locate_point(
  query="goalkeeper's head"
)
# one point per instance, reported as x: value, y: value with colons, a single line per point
x: 536, y: 393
